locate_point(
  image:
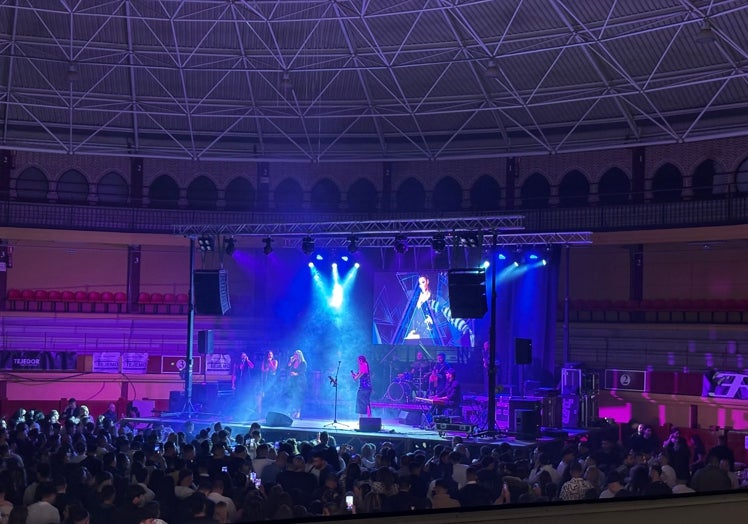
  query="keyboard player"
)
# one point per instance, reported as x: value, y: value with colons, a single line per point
x: 448, y: 400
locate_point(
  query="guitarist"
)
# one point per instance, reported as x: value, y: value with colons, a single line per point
x: 438, y: 376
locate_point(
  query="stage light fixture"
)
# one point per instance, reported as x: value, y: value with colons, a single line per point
x: 438, y: 243
x: 357, y: 265
x: 268, y: 245
x: 517, y: 256
x: 352, y: 244
x: 205, y: 243
x: 344, y: 258
x: 401, y: 244
x: 319, y: 257
x: 307, y: 245
x: 470, y: 240
x: 229, y: 245
x: 311, y: 264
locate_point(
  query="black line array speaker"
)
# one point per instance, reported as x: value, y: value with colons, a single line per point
x: 278, y: 420
x: 522, y: 351
x: 205, y: 342
x: 211, y: 291
x: 370, y: 424
x: 467, y: 293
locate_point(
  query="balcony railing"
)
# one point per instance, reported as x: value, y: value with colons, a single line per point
x: 724, y: 211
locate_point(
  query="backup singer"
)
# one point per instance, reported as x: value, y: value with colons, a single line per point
x: 296, y: 382
x: 363, y: 396
x: 240, y: 373
x: 268, y: 370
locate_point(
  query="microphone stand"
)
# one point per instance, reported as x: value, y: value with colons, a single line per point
x: 334, y: 383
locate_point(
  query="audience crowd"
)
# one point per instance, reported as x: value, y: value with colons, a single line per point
x: 74, y: 468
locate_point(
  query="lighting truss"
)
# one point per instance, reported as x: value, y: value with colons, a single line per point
x: 363, y: 229
x: 425, y: 241
x: 500, y: 230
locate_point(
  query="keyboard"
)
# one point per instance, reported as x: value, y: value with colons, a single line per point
x: 429, y: 401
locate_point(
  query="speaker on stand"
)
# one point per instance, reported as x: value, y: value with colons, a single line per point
x: 523, y: 358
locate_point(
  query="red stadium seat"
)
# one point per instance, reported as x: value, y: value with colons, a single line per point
x: 81, y: 297
x: 27, y: 296
x: 55, y: 297
x: 120, y: 299
x: 143, y: 300
x: 182, y: 301
x: 41, y: 297
x: 107, y: 298
x: 170, y: 299
x: 94, y: 300
x: 157, y: 299
x: 68, y: 297
x: 14, y: 298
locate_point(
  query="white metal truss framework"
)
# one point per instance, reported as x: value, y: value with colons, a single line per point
x: 422, y: 240
x: 324, y: 80
x: 505, y: 230
x: 360, y: 228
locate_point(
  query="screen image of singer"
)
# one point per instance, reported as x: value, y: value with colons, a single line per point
x: 413, y: 308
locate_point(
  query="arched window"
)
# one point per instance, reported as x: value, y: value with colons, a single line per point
x: 702, y: 181
x: 614, y: 187
x: 325, y: 196
x: 411, y: 196
x: 667, y: 184
x: 164, y: 193
x: 32, y: 185
x: 239, y: 195
x: 535, y: 192
x: 447, y: 195
x: 485, y: 195
x: 72, y: 187
x: 362, y: 196
x: 202, y: 193
x: 574, y: 190
x: 112, y: 190
x: 289, y: 196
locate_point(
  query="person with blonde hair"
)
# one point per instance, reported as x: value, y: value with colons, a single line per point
x: 296, y: 382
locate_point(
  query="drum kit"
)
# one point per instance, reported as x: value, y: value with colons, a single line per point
x: 405, y: 386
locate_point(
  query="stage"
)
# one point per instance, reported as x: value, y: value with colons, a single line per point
x: 404, y: 437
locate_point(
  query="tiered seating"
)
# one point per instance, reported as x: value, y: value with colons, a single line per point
x: 93, y: 301
x: 672, y: 310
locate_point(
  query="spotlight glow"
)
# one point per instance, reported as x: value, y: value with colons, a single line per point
x: 502, y: 256
x: 336, y: 300
x: 533, y: 256
x: 319, y: 257
x: 357, y: 265
x: 344, y: 258
x: 486, y: 264
x: 311, y: 264
x: 334, y: 265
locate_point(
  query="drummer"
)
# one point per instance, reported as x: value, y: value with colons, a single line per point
x: 419, y: 370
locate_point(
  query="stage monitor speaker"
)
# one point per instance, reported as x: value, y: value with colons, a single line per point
x: 522, y: 351
x: 370, y: 424
x: 176, y: 401
x: 211, y: 291
x: 467, y: 293
x: 411, y: 418
x: 205, y: 342
x: 278, y: 420
x: 527, y: 424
